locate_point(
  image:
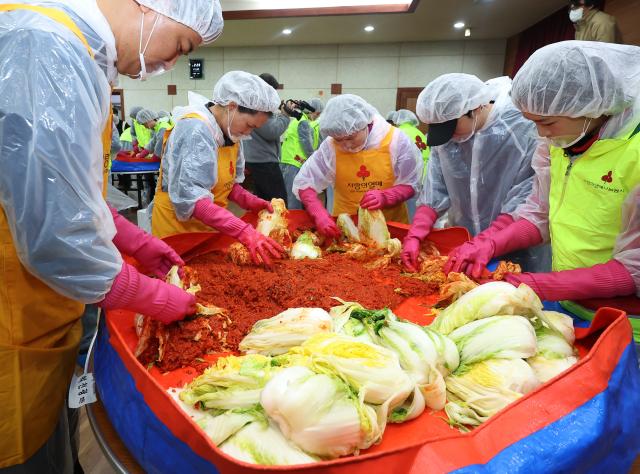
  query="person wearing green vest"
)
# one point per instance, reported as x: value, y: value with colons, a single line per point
x: 143, y: 125
x: 408, y: 123
x: 301, y: 139
x: 584, y: 98
x: 127, y: 136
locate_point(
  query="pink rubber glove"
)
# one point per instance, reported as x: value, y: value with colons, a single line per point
x: 149, y: 296
x: 136, y: 149
x: 472, y: 257
x: 384, y: 198
x: 142, y: 154
x: 606, y: 280
x: 324, y: 222
x: 420, y: 227
x: 155, y: 256
x: 248, y: 201
x: 260, y: 247
x: 221, y: 219
x: 501, y: 222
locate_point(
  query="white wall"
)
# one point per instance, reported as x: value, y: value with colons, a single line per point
x: 374, y: 71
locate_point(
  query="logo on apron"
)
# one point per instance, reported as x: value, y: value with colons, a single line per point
x: 608, y: 178
x: 363, y: 173
x: 422, y: 146
x: 231, y: 170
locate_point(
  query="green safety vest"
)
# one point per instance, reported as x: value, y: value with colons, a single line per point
x: 143, y: 134
x: 292, y: 152
x: 162, y: 124
x: 126, y: 135
x: 585, y: 205
x: 417, y: 137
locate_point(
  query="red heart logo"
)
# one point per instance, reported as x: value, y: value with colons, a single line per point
x: 363, y: 173
x: 608, y: 178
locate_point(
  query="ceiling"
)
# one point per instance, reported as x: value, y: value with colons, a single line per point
x: 431, y: 21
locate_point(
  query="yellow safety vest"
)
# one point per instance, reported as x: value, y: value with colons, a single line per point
x: 39, y: 330
x: 366, y: 170
x: 585, y: 200
x: 585, y: 206
x: 420, y: 140
x: 164, y: 221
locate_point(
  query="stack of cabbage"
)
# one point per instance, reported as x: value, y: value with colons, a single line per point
x: 314, y: 386
x: 508, y: 346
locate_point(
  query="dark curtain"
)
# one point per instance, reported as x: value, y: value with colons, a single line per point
x: 554, y: 28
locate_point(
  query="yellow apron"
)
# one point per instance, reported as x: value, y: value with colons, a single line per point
x: 39, y: 331
x: 164, y: 221
x: 357, y: 173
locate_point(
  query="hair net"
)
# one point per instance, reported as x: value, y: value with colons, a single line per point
x: 450, y: 96
x: 316, y: 104
x: 145, y: 115
x: 163, y: 113
x: 202, y: 16
x: 134, y: 111
x: 391, y: 116
x: 247, y: 90
x: 346, y: 114
x: 578, y: 79
x: 406, y: 116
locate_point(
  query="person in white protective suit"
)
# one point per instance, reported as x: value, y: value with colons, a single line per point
x: 61, y: 243
x: 368, y: 162
x: 584, y: 98
x: 203, y: 165
x: 479, y: 168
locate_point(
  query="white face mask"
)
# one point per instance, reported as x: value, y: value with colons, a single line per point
x: 568, y: 142
x: 473, y: 130
x: 234, y: 138
x: 144, y: 74
x: 576, y: 15
x: 359, y: 148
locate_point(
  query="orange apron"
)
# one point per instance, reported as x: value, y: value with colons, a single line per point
x: 40, y: 332
x: 357, y: 173
x: 164, y: 221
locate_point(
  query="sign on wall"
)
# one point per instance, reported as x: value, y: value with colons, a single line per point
x: 196, y: 68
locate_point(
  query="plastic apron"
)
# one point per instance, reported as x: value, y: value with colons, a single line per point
x: 357, y: 173
x: 600, y: 181
x: 164, y: 221
x: 39, y: 330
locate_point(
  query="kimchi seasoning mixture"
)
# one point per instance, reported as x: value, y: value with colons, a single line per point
x: 251, y: 293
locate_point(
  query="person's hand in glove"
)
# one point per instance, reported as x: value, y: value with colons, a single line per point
x: 221, y: 219
x: 155, y: 256
x: 420, y: 228
x: 136, y: 148
x: 323, y: 221
x: 142, y: 154
x: 248, y: 201
x: 471, y: 257
x: 384, y: 198
x: 502, y: 237
x: 149, y: 296
x: 607, y: 280
x: 261, y: 248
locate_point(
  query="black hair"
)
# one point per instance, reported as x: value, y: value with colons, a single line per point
x: 246, y: 110
x: 586, y: 3
x: 270, y: 79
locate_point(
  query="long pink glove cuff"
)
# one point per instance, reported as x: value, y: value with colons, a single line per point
x: 218, y: 218
x: 422, y: 223
x: 129, y: 237
x: 136, y: 292
x: 500, y: 222
x: 521, y: 234
x: 398, y: 194
x: 312, y: 204
x: 606, y: 280
x: 245, y: 199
